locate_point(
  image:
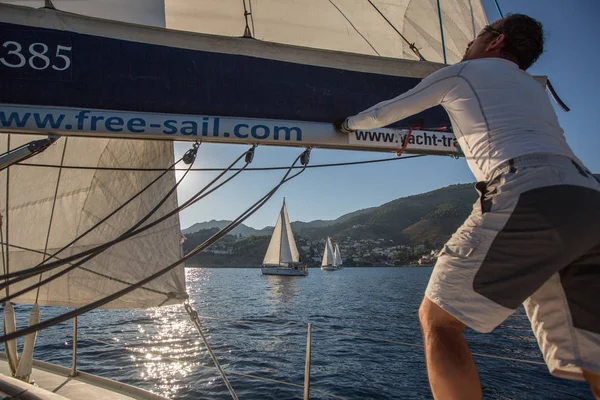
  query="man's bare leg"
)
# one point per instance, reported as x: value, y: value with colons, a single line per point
x: 450, y: 365
x: 594, y: 381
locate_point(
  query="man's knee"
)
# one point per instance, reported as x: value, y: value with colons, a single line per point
x: 434, y: 317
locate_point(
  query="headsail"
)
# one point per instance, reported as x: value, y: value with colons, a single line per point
x: 282, y: 247
x: 48, y: 207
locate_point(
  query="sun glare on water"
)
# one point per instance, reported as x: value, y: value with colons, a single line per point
x: 169, y: 351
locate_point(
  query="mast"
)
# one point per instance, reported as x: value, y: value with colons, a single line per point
x: 281, y: 218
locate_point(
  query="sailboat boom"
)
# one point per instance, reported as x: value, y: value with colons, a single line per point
x: 216, y: 129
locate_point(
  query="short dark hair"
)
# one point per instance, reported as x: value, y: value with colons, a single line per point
x: 523, y: 38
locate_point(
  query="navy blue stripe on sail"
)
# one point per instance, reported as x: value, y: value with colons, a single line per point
x: 49, y: 67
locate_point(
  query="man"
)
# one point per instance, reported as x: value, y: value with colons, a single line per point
x: 532, y: 237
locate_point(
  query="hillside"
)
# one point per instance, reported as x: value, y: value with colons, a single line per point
x: 428, y: 218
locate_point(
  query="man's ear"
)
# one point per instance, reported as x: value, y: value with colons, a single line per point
x: 497, y: 43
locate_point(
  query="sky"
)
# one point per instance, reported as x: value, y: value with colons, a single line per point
x: 571, y: 60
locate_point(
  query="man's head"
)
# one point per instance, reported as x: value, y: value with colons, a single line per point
x: 517, y: 38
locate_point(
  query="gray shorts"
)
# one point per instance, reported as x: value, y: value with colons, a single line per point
x: 533, y: 238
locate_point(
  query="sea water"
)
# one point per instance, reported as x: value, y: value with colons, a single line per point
x: 366, y: 342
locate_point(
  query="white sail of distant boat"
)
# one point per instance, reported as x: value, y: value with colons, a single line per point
x: 337, y: 257
x: 114, y: 61
x: 327, y: 263
x: 282, y: 257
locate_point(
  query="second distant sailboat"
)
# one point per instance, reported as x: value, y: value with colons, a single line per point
x: 332, y: 259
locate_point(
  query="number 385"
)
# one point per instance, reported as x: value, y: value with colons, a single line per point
x: 37, y: 56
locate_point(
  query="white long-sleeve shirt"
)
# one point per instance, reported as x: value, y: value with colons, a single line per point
x: 497, y: 110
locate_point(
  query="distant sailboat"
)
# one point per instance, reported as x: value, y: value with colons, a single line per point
x: 337, y: 257
x: 282, y: 256
x: 328, y: 262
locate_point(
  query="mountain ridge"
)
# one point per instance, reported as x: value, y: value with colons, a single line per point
x: 247, y: 231
x: 298, y: 226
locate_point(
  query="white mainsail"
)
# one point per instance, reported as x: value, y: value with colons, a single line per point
x: 282, y: 247
x: 327, y: 254
x: 44, y: 208
x: 337, y: 256
x: 353, y: 26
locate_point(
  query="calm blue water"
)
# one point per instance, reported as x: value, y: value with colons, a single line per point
x: 161, y: 351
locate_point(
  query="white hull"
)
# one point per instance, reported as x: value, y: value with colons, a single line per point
x: 329, y: 268
x: 287, y: 271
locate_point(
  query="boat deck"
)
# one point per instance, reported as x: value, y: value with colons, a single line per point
x: 55, y: 379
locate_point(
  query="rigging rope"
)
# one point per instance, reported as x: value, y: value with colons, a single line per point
x: 247, y: 33
x: 556, y: 97
x: 177, y: 360
x: 196, y: 321
x: 498, y: 8
x: 4, y: 271
x: 406, y: 139
x: 357, y: 335
x: 82, y: 268
x: 47, y: 266
x: 411, y: 45
x: 107, y: 299
x: 62, y: 160
x: 303, y: 325
x: 230, y: 169
x: 252, y: 17
x: 189, y: 157
x: 7, y: 291
x: 114, y: 211
x: 355, y: 28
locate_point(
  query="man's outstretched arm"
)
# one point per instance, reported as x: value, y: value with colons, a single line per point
x: 428, y: 93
